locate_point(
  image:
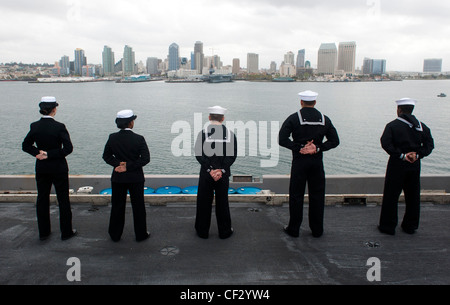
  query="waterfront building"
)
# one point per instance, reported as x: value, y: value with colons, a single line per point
x: 347, y: 57
x: 129, y: 62
x: 288, y: 70
x: 301, y: 59
x: 289, y: 58
x: 433, y: 65
x: 198, y: 57
x: 88, y: 71
x: 152, y: 65
x: 273, y: 67
x: 236, y: 66
x: 80, y: 61
x: 252, y: 63
x: 327, y: 59
x: 174, y: 57
x: 108, y: 61
x: 374, y: 66
x: 64, y: 65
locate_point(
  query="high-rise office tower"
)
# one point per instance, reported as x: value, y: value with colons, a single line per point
x: 198, y: 56
x: 236, y: 66
x: 301, y: 59
x: 80, y: 61
x: 174, y: 57
x: 64, y: 65
x: 433, y: 65
x: 252, y: 63
x: 273, y: 67
x: 152, y: 65
x: 108, y: 61
x: 129, y: 62
x: 327, y: 59
x: 374, y: 66
x: 289, y: 58
x: 347, y: 57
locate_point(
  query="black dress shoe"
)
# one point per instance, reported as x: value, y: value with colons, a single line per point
x: 227, y: 235
x: 44, y: 237
x: 74, y: 233
x: 389, y: 232
x: 286, y: 230
x: 144, y: 238
x: 408, y: 231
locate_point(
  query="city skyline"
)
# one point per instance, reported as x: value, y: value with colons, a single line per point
x: 402, y: 32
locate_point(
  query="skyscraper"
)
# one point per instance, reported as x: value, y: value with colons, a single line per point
x: 80, y: 61
x: 108, y: 61
x: 129, y: 61
x: 64, y: 65
x: 301, y: 59
x: 152, y: 65
x: 347, y: 57
x: 289, y: 58
x: 174, y: 57
x: 236, y: 66
x: 252, y: 63
x: 327, y: 59
x: 374, y: 66
x: 198, y: 56
x: 433, y: 65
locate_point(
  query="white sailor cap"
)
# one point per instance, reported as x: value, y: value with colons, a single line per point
x: 308, y: 96
x: 125, y: 114
x: 48, y: 102
x: 217, y: 110
x: 406, y: 101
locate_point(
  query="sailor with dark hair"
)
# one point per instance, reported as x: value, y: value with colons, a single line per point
x: 407, y: 141
x: 216, y: 151
x: 308, y: 128
x: 49, y: 142
x: 127, y: 152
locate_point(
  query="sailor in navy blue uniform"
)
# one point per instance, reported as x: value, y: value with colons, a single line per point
x: 127, y: 152
x: 308, y: 128
x: 49, y: 142
x: 216, y: 151
x: 407, y: 141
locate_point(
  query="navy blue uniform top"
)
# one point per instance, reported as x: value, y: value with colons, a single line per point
x: 50, y: 136
x: 308, y: 125
x: 216, y: 148
x: 127, y: 146
x: 407, y: 134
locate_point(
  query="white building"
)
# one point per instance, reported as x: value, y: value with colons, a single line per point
x: 327, y: 59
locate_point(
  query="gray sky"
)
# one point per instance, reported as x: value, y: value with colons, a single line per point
x: 404, y: 32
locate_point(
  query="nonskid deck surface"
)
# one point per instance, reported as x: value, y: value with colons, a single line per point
x: 259, y: 253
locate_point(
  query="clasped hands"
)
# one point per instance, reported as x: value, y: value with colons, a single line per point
x: 309, y: 149
x: 216, y: 174
x: 42, y: 155
x: 122, y: 168
x: 411, y: 157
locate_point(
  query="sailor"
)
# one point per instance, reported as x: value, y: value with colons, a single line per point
x: 308, y: 128
x: 216, y: 151
x: 49, y: 142
x: 127, y: 152
x: 407, y: 141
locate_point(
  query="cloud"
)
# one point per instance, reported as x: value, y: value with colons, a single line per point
x: 400, y: 31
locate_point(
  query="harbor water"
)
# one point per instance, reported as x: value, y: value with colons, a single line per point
x: 169, y: 115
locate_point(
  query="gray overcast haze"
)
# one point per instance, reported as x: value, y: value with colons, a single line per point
x: 402, y: 32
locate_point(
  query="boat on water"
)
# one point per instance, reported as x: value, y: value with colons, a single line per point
x: 283, y: 80
x: 135, y: 79
x: 220, y: 78
x: 442, y: 95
